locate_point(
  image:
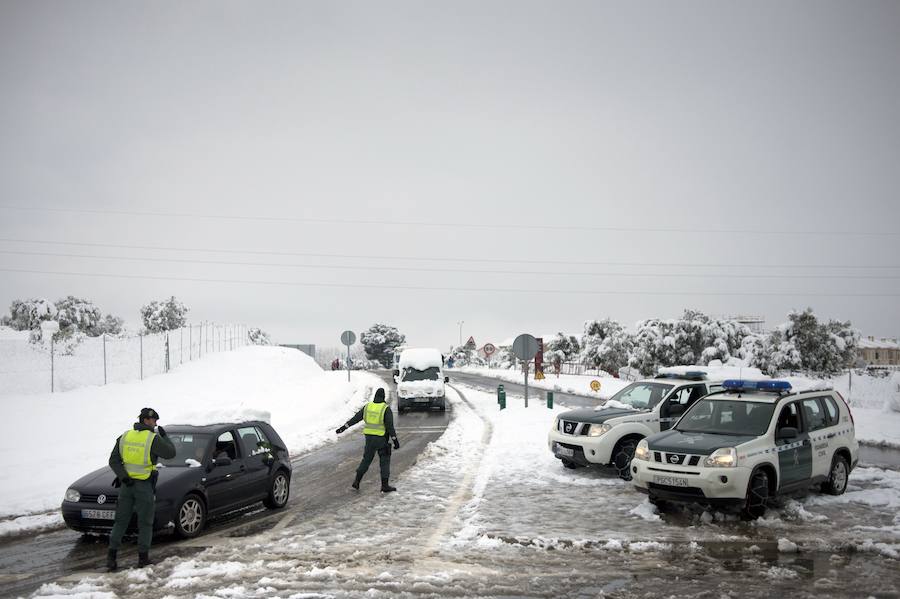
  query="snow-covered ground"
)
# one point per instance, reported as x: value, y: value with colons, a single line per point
x: 52, y: 439
x: 488, y: 511
x: 564, y: 383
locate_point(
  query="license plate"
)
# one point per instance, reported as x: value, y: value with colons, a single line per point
x: 99, y: 514
x: 672, y: 481
x: 565, y: 451
x: 422, y: 400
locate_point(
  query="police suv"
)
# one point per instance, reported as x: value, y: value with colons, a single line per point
x: 748, y: 443
x: 609, y: 434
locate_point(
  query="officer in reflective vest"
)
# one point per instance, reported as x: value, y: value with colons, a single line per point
x: 133, y: 459
x: 379, y: 425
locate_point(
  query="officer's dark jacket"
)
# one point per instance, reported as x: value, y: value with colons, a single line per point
x: 161, y: 448
x: 388, y: 420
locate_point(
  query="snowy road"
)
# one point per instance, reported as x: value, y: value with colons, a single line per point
x: 320, y: 483
x: 487, y: 511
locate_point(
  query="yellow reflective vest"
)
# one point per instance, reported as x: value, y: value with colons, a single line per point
x: 374, y: 418
x: 134, y: 447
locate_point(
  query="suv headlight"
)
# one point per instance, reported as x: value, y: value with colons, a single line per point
x: 73, y: 495
x: 599, y: 429
x: 642, y: 451
x: 726, y: 457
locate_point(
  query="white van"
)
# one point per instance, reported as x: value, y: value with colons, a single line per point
x: 420, y: 379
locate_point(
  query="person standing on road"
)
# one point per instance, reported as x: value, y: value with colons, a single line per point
x: 133, y: 459
x: 379, y: 426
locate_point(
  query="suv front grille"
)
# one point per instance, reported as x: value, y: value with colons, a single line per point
x: 570, y: 427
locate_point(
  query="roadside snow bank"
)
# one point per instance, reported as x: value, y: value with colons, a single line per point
x: 283, y: 386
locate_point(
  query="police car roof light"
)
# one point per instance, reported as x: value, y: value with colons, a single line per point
x: 742, y: 385
x: 693, y: 375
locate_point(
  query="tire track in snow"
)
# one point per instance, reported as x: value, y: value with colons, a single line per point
x: 464, y: 490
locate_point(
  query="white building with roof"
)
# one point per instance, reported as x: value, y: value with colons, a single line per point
x: 879, y: 352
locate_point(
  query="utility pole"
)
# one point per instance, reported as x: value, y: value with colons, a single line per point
x: 460, y: 323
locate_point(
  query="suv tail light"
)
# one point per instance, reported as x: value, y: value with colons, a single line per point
x: 849, y: 411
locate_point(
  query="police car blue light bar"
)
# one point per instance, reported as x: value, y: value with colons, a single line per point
x: 742, y: 385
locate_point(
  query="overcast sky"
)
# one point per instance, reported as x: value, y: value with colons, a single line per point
x: 699, y: 145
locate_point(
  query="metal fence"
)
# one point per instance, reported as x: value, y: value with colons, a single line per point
x: 39, y: 367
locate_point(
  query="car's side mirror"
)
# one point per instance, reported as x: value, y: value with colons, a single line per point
x: 222, y: 461
x: 676, y: 409
x: 788, y: 432
x: 446, y: 379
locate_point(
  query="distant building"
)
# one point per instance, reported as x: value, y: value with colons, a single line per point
x: 309, y: 350
x: 756, y: 324
x: 879, y: 352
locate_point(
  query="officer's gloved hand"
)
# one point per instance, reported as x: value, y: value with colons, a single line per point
x: 341, y: 429
x: 161, y: 431
x: 127, y: 481
x: 396, y: 443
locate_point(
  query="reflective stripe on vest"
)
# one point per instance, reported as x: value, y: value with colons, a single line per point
x: 134, y: 448
x: 374, y: 418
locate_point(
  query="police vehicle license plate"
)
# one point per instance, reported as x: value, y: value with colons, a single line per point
x: 422, y: 400
x: 672, y: 481
x: 564, y: 451
x: 99, y: 514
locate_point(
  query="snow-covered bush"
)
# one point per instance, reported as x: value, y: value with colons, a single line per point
x: 165, y: 315
x: 259, y: 337
x: 380, y: 341
x: 606, y: 345
x: 804, y: 343
x: 111, y: 325
x: 26, y: 315
x: 78, y: 314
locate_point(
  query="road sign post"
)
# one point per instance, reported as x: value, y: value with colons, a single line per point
x: 525, y: 347
x: 348, y: 338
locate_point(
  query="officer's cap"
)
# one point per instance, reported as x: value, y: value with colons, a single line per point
x: 148, y: 413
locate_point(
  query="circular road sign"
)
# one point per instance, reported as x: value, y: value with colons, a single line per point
x: 348, y: 337
x: 488, y: 349
x: 525, y: 346
x: 595, y: 385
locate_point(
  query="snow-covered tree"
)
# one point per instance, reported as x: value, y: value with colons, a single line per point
x: 111, y: 325
x: 804, y: 343
x: 27, y: 315
x: 79, y: 315
x: 259, y: 337
x: 165, y: 315
x: 563, y: 347
x: 606, y: 345
x: 380, y: 341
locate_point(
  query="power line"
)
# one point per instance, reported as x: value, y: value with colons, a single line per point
x: 445, y: 259
x: 455, y: 270
x: 446, y: 225
x: 451, y: 289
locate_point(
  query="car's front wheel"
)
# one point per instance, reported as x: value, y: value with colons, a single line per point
x: 569, y: 464
x: 279, y: 491
x: 622, y: 455
x: 757, y: 496
x: 190, y: 517
x: 837, y: 476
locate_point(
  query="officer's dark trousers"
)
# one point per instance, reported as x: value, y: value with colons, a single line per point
x: 136, y: 498
x: 380, y: 444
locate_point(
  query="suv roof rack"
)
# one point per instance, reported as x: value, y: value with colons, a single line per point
x: 691, y: 375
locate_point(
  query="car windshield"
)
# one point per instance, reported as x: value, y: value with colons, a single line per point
x: 429, y: 374
x: 727, y: 417
x: 642, y: 396
x: 188, y: 446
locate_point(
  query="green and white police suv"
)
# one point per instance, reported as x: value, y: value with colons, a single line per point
x: 748, y: 443
x: 609, y: 434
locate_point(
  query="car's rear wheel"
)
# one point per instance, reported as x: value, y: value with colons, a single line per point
x: 443, y: 406
x: 757, y: 496
x: 837, y: 477
x: 570, y: 464
x: 622, y: 455
x: 190, y: 518
x: 279, y: 491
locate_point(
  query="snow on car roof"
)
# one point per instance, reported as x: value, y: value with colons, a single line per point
x: 421, y: 358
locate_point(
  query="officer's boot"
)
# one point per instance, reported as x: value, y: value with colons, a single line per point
x: 111, y: 563
x: 144, y: 559
x: 385, y: 487
x: 356, y: 481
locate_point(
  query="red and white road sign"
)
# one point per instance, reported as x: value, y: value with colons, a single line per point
x: 488, y: 349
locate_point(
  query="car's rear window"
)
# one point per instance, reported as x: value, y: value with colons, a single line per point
x: 727, y: 417
x: 188, y: 446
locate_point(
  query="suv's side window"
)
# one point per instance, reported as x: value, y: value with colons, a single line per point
x: 814, y: 414
x: 834, y: 416
x: 789, y: 417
